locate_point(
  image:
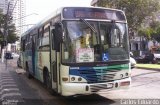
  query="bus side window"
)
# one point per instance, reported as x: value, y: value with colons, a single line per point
x: 40, y: 35
x: 45, y: 38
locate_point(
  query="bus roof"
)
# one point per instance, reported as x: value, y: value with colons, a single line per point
x: 56, y: 13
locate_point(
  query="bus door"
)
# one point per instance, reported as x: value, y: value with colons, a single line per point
x: 53, y: 62
x: 33, y: 55
x: 56, y: 36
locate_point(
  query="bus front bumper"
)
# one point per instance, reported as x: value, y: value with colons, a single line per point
x: 69, y: 89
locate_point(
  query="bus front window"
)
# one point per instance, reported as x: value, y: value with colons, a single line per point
x: 79, y: 42
x: 114, y: 41
x: 82, y: 44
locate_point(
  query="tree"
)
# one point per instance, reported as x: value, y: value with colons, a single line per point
x: 11, y: 38
x: 155, y: 26
x: 136, y: 10
x: 1, y: 26
x: 152, y: 31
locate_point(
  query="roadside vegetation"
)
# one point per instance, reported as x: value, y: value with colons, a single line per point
x: 141, y: 16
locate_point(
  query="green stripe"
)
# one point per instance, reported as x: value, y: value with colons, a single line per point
x: 123, y: 66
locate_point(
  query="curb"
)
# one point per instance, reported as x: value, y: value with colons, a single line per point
x: 148, y: 68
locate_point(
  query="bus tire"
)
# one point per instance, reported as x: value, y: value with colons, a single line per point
x: 27, y: 72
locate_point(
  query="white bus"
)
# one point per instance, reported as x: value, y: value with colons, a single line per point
x: 79, y: 50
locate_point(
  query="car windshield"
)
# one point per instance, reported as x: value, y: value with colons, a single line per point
x: 84, y: 43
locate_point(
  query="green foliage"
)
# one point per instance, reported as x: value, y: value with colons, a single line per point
x: 1, y: 26
x: 136, y: 10
x: 152, y: 31
x: 11, y: 38
x: 156, y: 33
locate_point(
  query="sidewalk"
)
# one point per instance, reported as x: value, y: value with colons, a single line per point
x: 2, y: 67
x: 148, y: 66
x: 9, y: 90
x: 13, y: 64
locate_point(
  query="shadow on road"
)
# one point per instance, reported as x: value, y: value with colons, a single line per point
x: 34, y: 93
x: 145, y: 74
x: 80, y: 100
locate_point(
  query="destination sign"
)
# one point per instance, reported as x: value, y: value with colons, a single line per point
x: 92, y: 13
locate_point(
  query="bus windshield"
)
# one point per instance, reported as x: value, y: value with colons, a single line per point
x: 82, y: 44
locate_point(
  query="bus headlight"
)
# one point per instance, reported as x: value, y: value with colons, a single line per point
x: 79, y: 79
x: 126, y: 74
x: 121, y: 75
x: 72, y: 78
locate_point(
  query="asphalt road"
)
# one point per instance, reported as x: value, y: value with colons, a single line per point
x: 14, y: 85
x: 145, y: 85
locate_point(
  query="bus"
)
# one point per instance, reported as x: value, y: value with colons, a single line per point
x: 79, y: 51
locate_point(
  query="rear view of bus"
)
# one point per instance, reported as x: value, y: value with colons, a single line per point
x: 94, y: 51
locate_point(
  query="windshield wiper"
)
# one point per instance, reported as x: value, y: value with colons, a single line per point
x: 89, y: 25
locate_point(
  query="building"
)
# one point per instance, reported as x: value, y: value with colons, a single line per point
x: 18, y: 14
x: 4, y: 6
x: 17, y: 10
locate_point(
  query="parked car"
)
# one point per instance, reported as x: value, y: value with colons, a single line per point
x: 15, y: 55
x: 132, y: 61
x: 146, y: 58
x: 8, y: 55
x: 157, y: 56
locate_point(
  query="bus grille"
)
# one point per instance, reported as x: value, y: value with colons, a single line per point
x: 97, y: 87
x: 98, y: 76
